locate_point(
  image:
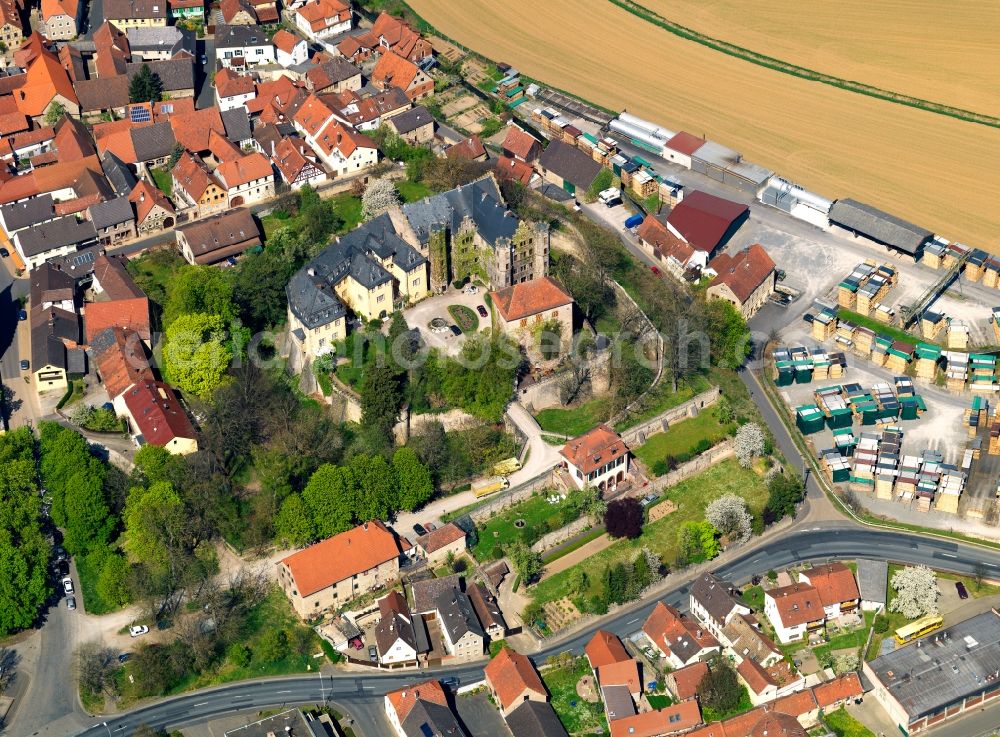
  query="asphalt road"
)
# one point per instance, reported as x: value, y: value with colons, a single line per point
x: 363, y: 691
x: 206, y: 91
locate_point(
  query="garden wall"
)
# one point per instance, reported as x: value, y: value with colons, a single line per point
x: 557, y: 537
x: 695, y: 466
x: 545, y: 393
x: 512, y: 496
x: 637, y: 435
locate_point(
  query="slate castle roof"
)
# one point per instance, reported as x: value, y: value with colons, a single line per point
x: 310, y: 291
x: 479, y: 201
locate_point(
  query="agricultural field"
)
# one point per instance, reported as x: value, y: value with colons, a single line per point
x: 935, y: 170
x: 921, y: 48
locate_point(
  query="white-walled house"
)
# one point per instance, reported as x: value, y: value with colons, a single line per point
x: 319, y: 20
x: 713, y: 605
x: 794, y: 611
x: 247, y: 180
x: 233, y: 90
x: 290, y: 49
x: 243, y: 47
x: 838, y: 591
x: 394, y: 634
x: 598, y: 458
x: 342, y: 150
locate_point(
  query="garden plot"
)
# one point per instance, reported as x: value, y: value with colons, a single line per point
x: 459, y: 104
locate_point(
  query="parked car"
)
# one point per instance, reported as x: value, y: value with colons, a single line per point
x: 67, y: 585
x: 963, y: 593
x: 61, y: 569
x: 471, y: 289
x: 22, y: 315
x: 482, y: 311
x: 356, y: 643
x: 419, y: 529
x: 71, y: 603
x: 138, y: 629
x: 455, y: 330
x: 4, y: 252
x: 24, y: 364
x: 655, y: 270
x: 649, y: 499
x: 780, y: 274
x: 123, y: 657
x: 59, y: 551
x: 204, y: 60
x: 372, y: 654
x: 451, y: 683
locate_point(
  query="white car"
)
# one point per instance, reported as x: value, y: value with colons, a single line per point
x: 138, y: 629
x: 67, y: 585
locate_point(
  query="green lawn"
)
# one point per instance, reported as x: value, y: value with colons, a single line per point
x: 345, y: 205
x: 412, y: 191
x: 154, y: 269
x: 844, y: 725
x: 691, y: 497
x: 465, y: 317
x: 577, y: 716
x: 849, y: 640
x: 539, y: 516
x: 683, y: 439
x: 163, y: 181
x: 881, y: 328
x: 754, y: 598
x: 663, y: 397
x: 659, y: 700
x: 575, y: 421
x: 92, y: 601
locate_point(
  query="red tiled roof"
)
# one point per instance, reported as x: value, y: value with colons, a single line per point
x: 13, y: 123
x: 244, y: 170
x: 530, y: 298
x: 834, y: 582
x: 157, y: 413
x: 796, y: 704
x: 470, y: 148
x: 605, y: 648
x: 744, y: 272
x: 290, y: 157
x: 703, y: 219
x: 230, y: 84
x: 797, y: 604
x: 508, y: 168
x: 777, y: 725
x: 145, y: 197
x: 394, y: 69
x: 123, y: 362
x: 688, y: 678
x: 510, y: 674
x: 668, y: 630
x: 441, y: 537
x: 192, y: 130
x: 115, y: 281
x: 231, y: 8
x: 406, y: 698
x: 655, y: 233
x: 286, y: 41
x: 72, y: 140
x: 338, y: 137
x: 622, y: 673
x: 518, y: 143
x: 355, y: 551
x: 847, y: 686
x: 594, y: 449
x: 322, y: 13
x: 676, y: 718
x: 52, y: 8
x: 685, y: 143
x: 192, y: 176
x: 44, y: 80
x: 313, y: 115
x: 757, y: 678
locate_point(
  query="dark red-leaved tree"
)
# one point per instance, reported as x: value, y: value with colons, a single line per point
x: 623, y: 518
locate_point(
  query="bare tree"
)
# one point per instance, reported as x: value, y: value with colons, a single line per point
x: 576, y: 380
x: 9, y: 660
x: 96, y: 666
x: 978, y: 574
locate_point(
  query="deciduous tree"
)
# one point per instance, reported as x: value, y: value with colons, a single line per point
x: 197, y: 353
x: 415, y: 485
x: 379, y: 196
x: 294, y: 523
x: 729, y: 515
x: 749, y: 443
x: 916, y: 592
x: 623, y: 518
x: 720, y: 689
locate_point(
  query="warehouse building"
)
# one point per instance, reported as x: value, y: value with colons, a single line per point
x: 881, y: 227
x: 940, y: 676
x: 799, y: 203
x: 727, y: 166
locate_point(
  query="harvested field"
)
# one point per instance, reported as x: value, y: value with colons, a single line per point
x: 936, y: 171
x: 945, y: 52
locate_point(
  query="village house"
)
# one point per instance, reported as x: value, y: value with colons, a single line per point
x: 535, y: 719
x: 742, y: 635
x: 233, y: 90
x: 598, y: 458
x: 604, y: 648
x: 60, y: 19
x: 680, y: 640
x: 512, y: 169
x: 671, y: 720
x: 342, y: 150
x: 520, y: 310
x: 519, y: 145
x: 160, y: 44
x: 45, y: 241
x: 228, y: 234
x: 680, y: 148
x: 321, y: 20
x: 44, y: 83
x: 395, y: 633
x: 421, y: 710
x: 297, y: 163
x: 183, y: 9
x: 237, y: 13
x: 113, y: 220
x: 463, y: 635
x: 126, y: 14
x: 513, y: 680
x: 156, y: 417
x: 674, y: 255
x: 387, y: 33
x: 438, y: 544
x: 176, y: 74
x: 713, y: 604
x: 336, y: 570
x: 415, y: 126
x: 838, y: 591
x: 393, y: 70
x: 119, y: 302
x: 767, y: 683
x: 243, y: 47
x: 332, y: 74
x: 56, y: 352
x: 11, y: 27
x: 195, y: 186
x: 248, y: 179
x: 621, y: 686
x: 120, y: 358
x: 290, y: 50
x: 682, y: 684
x: 153, y: 210
x: 368, y: 113
x: 745, y: 279
x: 794, y: 611
x: 469, y: 149
x: 488, y: 611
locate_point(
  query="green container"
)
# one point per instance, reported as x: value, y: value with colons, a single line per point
x: 841, y: 474
x: 803, y: 375
x: 840, y: 418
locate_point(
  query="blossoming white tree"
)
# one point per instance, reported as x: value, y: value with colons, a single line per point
x: 729, y: 515
x: 749, y: 443
x: 916, y: 592
x: 378, y: 197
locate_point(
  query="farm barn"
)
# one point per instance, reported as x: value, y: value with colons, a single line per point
x: 881, y: 227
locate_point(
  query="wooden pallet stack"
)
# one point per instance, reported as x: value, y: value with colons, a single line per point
x: 949, y: 491
x: 953, y: 253
x: 883, y: 313
x: 874, y: 289
x: 974, y: 266
x: 933, y: 254
x: 847, y: 290
x: 865, y: 457
x: 994, y: 447
x: 898, y: 356
x: 835, y: 467
x: 824, y: 325
x: 864, y: 341
x: 982, y: 373
x: 931, y: 324
x: 887, y: 465
x: 927, y: 357
x: 958, y: 335
x: 995, y: 322
x: 956, y: 370
x: 991, y: 273
x: 880, y: 349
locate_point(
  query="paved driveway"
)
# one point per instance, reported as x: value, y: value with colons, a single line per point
x: 420, y: 315
x: 480, y: 716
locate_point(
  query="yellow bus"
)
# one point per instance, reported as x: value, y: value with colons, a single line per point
x: 918, y: 628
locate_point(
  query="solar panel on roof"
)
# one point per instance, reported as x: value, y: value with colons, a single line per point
x: 139, y: 114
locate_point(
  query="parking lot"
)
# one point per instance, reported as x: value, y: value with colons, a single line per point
x: 444, y: 338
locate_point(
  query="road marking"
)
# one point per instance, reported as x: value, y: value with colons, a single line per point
x: 284, y: 691
x: 948, y: 555
x: 202, y: 703
x: 633, y: 621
